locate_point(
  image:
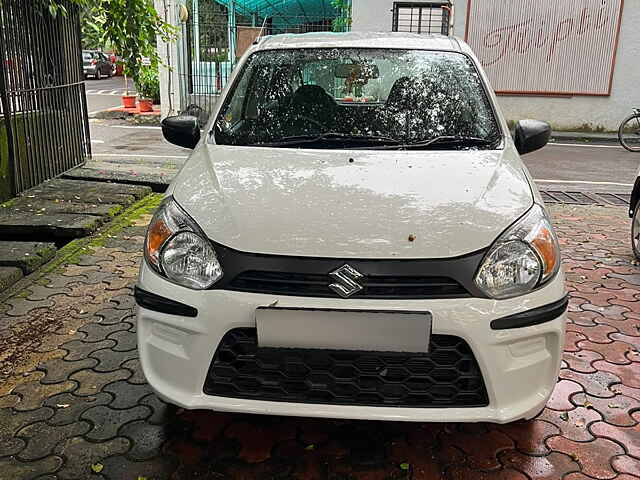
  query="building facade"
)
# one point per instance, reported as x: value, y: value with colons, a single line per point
x: 572, y: 63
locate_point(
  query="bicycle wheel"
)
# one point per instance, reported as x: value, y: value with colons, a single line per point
x: 629, y: 133
x: 635, y: 232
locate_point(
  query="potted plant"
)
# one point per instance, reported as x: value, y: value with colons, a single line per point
x: 132, y: 28
x: 148, y: 86
x: 128, y: 100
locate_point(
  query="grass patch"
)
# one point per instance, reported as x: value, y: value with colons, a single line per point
x: 115, y: 210
x: 8, y: 203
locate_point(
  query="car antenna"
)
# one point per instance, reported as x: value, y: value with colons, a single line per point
x: 259, y: 37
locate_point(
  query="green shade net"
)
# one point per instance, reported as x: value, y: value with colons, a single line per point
x: 285, y: 11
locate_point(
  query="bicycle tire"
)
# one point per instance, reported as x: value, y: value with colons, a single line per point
x: 635, y: 231
x: 621, y: 132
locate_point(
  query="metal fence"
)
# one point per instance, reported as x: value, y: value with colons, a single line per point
x: 211, y: 45
x: 45, y: 129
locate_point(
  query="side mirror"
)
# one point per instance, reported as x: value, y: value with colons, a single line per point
x: 181, y: 130
x: 531, y: 135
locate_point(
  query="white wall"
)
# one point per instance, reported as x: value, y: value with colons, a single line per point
x: 564, y: 113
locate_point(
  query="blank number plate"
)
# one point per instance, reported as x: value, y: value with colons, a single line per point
x: 385, y: 331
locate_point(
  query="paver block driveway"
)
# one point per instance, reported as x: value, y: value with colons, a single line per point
x: 72, y: 395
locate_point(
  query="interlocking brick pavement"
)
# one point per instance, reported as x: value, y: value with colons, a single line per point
x: 72, y: 394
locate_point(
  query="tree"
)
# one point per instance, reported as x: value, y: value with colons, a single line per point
x: 342, y: 23
x: 91, y: 21
x: 130, y: 27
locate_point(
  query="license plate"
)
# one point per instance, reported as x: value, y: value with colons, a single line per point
x: 365, y: 330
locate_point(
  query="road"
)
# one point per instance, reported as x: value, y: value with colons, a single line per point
x: 580, y: 167
x: 106, y: 93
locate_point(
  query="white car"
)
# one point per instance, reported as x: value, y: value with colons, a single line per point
x: 354, y: 236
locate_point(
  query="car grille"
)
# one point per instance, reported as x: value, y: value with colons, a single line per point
x: 447, y: 376
x: 315, y: 285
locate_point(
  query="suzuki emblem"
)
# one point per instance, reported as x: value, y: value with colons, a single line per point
x: 346, y: 281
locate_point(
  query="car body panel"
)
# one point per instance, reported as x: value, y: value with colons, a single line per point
x: 520, y: 366
x: 362, y: 204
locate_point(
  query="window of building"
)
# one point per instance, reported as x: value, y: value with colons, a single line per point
x: 421, y: 17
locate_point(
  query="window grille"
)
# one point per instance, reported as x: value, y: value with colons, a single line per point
x: 421, y: 17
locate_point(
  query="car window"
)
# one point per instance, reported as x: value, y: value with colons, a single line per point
x: 406, y: 95
x: 87, y: 56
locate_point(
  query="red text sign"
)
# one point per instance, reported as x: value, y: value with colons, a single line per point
x: 546, y: 46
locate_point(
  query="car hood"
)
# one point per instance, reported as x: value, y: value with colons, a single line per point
x: 353, y: 204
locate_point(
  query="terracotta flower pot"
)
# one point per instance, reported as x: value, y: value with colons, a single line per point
x: 129, y: 101
x: 145, y: 104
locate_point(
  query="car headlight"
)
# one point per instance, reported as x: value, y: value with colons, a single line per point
x: 524, y: 257
x: 176, y: 248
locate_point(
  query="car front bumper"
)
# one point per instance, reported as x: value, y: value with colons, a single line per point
x: 519, y: 365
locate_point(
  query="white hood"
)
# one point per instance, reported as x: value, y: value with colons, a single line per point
x: 353, y: 204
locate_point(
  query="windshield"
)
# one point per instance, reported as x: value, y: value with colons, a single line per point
x: 369, y: 97
x: 87, y: 56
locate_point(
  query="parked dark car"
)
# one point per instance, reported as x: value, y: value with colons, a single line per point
x: 96, y: 64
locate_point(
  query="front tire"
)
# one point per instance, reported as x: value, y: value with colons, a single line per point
x: 635, y: 231
x: 629, y: 133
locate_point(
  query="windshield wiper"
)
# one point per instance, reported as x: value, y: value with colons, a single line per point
x: 305, y: 139
x: 443, y: 140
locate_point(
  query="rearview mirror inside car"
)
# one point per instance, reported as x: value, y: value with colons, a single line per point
x: 356, y: 71
x: 181, y: 130
x: 531, y: 135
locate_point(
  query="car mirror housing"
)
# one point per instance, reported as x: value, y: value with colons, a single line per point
x: 181, y: 130
x: 531, y: 135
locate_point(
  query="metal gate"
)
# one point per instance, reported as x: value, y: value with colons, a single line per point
x: 218, y: 32
x: 45, y: 129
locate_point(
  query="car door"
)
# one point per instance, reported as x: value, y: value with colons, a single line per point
x: 105, y: 68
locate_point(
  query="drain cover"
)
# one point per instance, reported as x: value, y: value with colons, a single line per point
x: 585, y: 198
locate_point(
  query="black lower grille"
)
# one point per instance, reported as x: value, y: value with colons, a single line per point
x: 447, y: 376
x: 383, y: 287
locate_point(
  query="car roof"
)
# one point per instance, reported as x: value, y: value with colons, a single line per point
x: 398, y: 40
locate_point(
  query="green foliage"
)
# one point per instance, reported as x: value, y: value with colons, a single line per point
x: 342, y: 23
x: 91, y: 20
x: 130, y: 27
x: 148, y: 83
